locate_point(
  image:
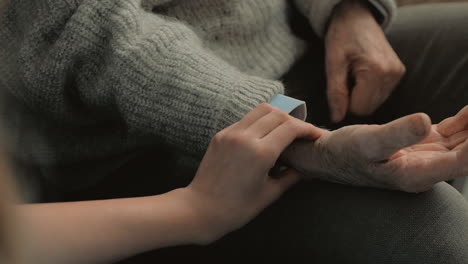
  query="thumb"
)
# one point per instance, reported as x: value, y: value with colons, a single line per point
x: 454, y: 124
x: 337, y: 88
x: 388, y: 139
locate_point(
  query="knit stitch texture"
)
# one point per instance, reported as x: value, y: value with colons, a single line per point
x: 94, y: 80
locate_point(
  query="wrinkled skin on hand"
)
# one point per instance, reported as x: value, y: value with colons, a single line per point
x: 357, y: 49
x: 408, y: 154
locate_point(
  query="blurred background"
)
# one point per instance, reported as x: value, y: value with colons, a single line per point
x: 408, y: 2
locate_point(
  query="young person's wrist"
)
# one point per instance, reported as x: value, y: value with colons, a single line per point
x: 201, y: 228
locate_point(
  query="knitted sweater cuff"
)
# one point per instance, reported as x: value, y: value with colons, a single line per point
x: 250, y: 93
x: 387, y: 9
x: 319, y: 12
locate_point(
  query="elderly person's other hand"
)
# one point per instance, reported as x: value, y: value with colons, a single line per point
x: 408, y: 154
x: 362, y: 68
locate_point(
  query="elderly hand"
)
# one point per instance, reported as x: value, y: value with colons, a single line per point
x: 357, y: 50
x: 360, y: 155
x: 442, y: 156
x: 408, y: 154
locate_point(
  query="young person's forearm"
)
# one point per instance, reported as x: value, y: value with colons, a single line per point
x: 108, y: 230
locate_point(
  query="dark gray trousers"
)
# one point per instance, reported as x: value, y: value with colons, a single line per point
x: 319, y: 222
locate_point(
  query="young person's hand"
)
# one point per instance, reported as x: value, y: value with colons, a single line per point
x: 357, y: 49
x: 232, y: 184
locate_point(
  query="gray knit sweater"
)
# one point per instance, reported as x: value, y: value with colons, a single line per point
x: 94, y: 80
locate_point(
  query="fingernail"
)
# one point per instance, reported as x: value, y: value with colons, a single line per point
x: 421, y: 125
